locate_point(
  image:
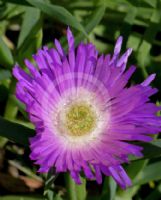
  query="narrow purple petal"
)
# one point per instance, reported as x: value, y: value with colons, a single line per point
x: 149, y: 80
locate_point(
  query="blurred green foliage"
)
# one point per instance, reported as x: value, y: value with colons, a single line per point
x: 26, y: 25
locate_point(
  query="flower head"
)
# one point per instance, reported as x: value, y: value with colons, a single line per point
x: 84, y: 113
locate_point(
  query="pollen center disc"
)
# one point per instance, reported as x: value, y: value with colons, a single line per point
x: 80, y: 119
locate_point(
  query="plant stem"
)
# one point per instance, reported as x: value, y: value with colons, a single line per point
x: 74, y: 191
x: 10, y: 109
x: 70, y: 186
x: 81, y: 190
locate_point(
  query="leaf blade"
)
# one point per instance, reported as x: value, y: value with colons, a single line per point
x: 13, y: 131
x: 5, y: 54
x: 31, y: 18
x: 59, y: 13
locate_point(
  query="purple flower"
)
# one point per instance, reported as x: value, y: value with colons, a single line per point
x: 84, y: 113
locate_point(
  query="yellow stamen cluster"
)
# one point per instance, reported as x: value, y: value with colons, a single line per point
x: 80, y: 119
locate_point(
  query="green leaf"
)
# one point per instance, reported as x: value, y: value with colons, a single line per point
x: 81, y: 190
x: 92, y: 21
x: 139, y: 171
x: 31, y: 18
x: 128, y: 23
x: 113, y: 187
x: 30, y: 45
x: 150, y: 173
x: 58, y: 12
x: 133, y: 170
x: 10, y: 108
x: 15, y: 132
x: 5, y: 74
x: 11, y: 11
x: 151, y: 3
x: 74, y: 191
x: 20, y: 106
x: 5, y: 54
x: 151, y: 150
x: 109, y: 189
x: 58, y: 197
x: 70, y: 185
x: 25, y: 170
x: 127, y: 194
x: 149, y: 36
x: 133, y: 41
x: 95, y: 18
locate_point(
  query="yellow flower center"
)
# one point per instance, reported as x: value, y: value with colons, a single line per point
x: 80, y: 119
